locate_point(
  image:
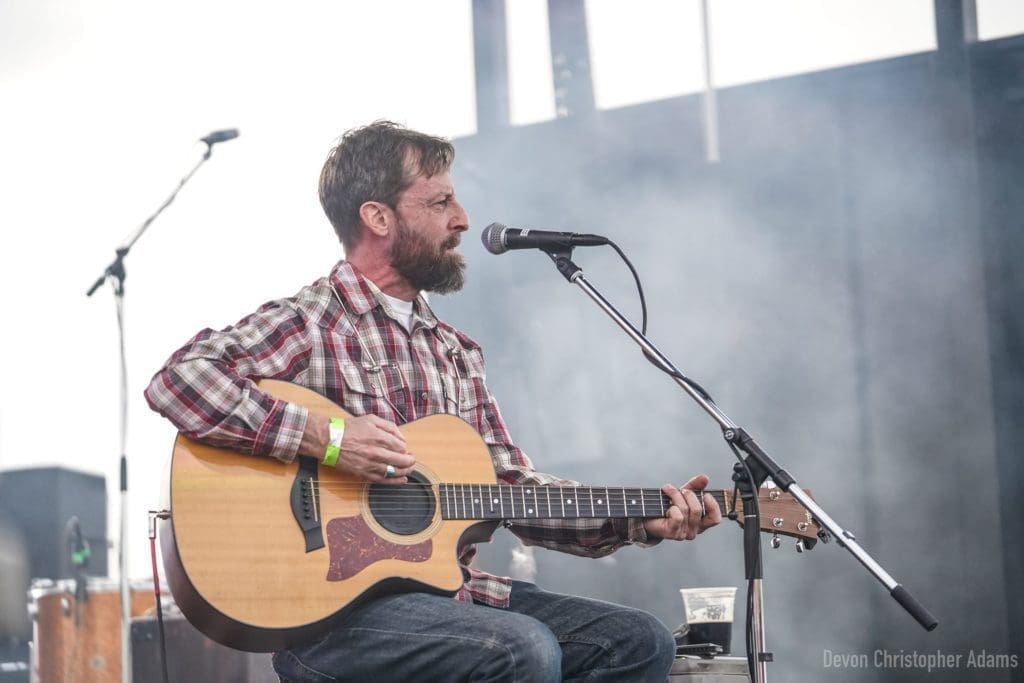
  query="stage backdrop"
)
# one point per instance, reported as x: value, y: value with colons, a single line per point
x: 825, y: 282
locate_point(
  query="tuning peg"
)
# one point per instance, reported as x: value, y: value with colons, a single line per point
x: 800, y: 545
x: 776, y: 542
x: 825, y: 536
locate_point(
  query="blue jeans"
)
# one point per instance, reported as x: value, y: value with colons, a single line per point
x: 542, y: 636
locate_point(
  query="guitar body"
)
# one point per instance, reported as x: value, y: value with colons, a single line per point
x: 243, y: 572
x: 261, y: 556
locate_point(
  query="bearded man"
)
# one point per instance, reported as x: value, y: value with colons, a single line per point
x: 366, y: 338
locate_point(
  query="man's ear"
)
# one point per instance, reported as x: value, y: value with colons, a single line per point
x: 377, y: 217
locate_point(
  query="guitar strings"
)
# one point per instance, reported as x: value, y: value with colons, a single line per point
x: 454, y: 490
x: 457, y: 496
x: 609, y: 491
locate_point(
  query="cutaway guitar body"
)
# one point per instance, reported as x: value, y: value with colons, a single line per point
x: 261, y: 555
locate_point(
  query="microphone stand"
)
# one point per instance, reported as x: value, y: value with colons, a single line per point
x: 749, y: 474
x: 115, y: 273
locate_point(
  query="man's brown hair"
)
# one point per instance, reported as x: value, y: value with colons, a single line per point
x: 370, y: 164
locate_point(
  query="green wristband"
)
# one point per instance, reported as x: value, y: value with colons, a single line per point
x: 335, y: 433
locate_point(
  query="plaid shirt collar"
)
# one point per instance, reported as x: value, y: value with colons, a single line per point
x: 362, y: 295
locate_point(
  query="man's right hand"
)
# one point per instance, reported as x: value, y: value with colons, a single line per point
x: 369, y: 445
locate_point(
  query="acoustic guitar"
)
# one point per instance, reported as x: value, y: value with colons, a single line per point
x: 261, y: 555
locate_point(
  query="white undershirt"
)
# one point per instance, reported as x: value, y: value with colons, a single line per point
x: 402, y: 309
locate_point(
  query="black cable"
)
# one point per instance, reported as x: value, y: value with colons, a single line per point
x: 639, y: 287
x: 756, y: 505
x: 643, y: 330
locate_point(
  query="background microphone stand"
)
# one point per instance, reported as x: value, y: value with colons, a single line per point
x: 115, y: 273
x: 749, y: 473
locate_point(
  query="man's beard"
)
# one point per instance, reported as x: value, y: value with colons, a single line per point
x: 426, y: 266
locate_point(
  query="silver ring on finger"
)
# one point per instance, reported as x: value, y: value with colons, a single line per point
x: 389, y: 471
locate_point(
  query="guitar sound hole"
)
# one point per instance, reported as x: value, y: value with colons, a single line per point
x: 403, y: 508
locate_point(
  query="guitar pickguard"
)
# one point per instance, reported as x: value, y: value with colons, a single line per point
x: 353, y: 546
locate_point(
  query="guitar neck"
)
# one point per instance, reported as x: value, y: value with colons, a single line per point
x: 505, y: 501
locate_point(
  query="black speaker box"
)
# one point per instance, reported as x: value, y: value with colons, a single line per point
x: 14, y: 666
x: 39, y: 501
x: 191, y: 656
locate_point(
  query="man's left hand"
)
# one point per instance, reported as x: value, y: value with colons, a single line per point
x: 684, y: 519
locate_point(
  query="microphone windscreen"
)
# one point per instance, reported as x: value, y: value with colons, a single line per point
x: 492, y: 237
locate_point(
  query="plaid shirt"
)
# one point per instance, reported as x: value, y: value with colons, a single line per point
x: 363, y: 359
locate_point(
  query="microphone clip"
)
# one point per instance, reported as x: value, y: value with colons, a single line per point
x: 564, y: 263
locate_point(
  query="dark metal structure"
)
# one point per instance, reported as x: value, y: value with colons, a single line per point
x: 854, y: 258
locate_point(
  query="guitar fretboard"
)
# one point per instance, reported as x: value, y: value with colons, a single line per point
x: 504, y: 501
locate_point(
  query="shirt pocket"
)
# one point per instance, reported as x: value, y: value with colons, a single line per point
x: 473, y: 399
x: 373, y: 390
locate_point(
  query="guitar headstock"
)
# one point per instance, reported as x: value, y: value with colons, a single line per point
x: 781, y: 514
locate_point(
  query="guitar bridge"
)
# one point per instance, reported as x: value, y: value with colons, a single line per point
x: 305, y: 502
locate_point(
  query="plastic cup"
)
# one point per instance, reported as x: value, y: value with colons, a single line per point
x: 709, y: 614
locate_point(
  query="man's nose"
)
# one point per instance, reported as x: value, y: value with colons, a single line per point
x: 460, y: 221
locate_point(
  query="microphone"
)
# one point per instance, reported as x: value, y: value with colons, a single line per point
x: 498, y: 239
x: 220, y: 136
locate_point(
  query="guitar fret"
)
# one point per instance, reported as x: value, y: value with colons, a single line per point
x: 636, y: 502
x: 625, y: 505
x: 547, y: 490
x: 502, y: 492
x: 561, y: 500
